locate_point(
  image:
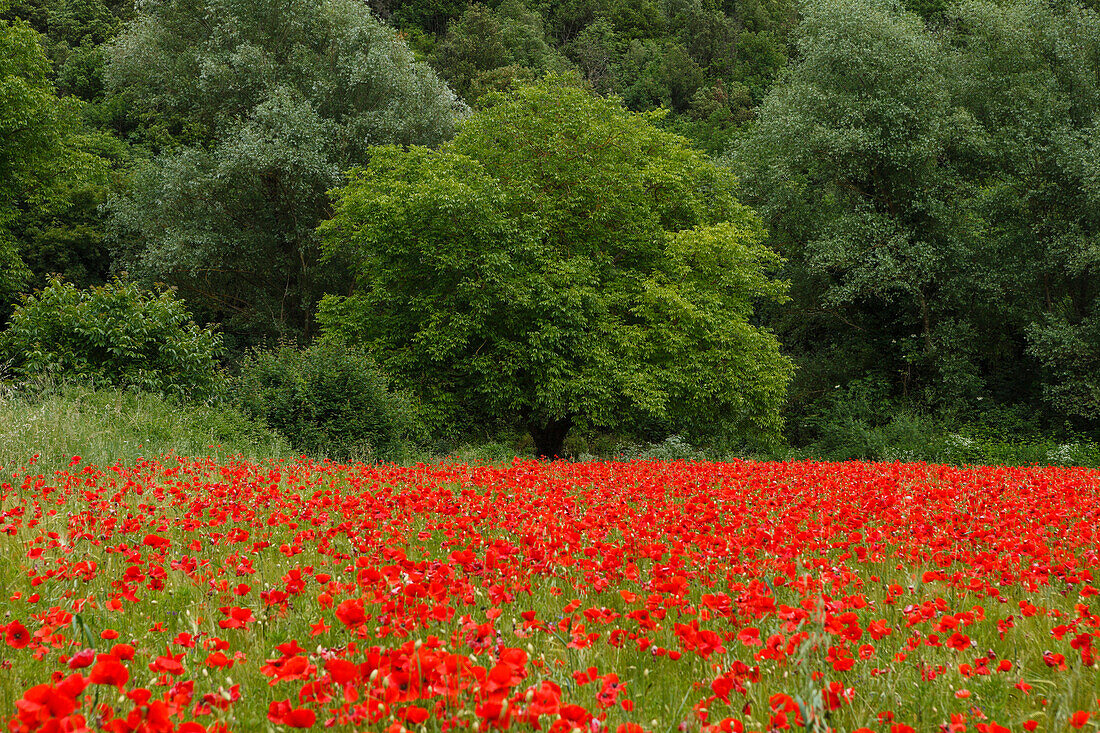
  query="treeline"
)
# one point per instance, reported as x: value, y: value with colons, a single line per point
x: 928, y: 171
x: 935, y: 185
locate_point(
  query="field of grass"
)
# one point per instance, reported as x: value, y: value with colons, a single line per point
x: 233, y: 594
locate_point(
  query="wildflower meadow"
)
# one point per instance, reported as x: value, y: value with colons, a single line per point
x: 196, y: 595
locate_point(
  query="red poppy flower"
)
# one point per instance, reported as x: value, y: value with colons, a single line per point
x: 167, y: 664
x: 282, y: 713
x: 125, y: 652
x: 351, y: 613
x: 156, y: 541
x: 415, y: 714
x: 342, y: 671
x: 82, y: 659
x: 17, y: 635
x: 959, y: 641
x: 109, y: 670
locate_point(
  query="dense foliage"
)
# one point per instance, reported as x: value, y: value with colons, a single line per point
x: 935, y: 190
x: 498, y: 270
x: 328, y: 399
x: 708, y: 62
x: 54, y: 167
x: 117, y: 335
x: 927, y: 169
x: 46, y: 167
x: 266, y: 121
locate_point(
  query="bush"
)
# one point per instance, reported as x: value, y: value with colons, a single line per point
x: 856, y: 421
x: 329, y: 400
x: 860, y: 421
x: 114, y: 335
x: 978, y: 444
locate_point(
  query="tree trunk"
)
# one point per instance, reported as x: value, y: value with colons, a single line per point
x: 550, y: 436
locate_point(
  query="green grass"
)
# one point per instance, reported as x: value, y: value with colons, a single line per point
x: 57, y: 422
x: 109, y: 426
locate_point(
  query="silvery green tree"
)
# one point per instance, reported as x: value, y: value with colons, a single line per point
x: 562, y: 262
x: 263, y: 104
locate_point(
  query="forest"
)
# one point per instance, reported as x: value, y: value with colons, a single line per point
x: 839, y: 228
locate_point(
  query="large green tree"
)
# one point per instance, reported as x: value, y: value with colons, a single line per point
x: 30, y: 134
x: 564, y: 262
x: 48, y: 162
x: 263, y: 105
x: 846, y: 164
x: 1029, y: 74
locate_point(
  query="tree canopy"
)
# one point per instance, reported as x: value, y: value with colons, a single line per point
x: 30, y: 133
x: 927, y: 169
x: 262, y: 106
x: 934, y: 188
x: 566, y: 262
x: 48, y: 164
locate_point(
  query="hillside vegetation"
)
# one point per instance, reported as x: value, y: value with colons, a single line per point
x: 846, y: 228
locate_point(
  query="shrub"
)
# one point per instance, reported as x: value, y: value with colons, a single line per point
x: 114, y: 335
x: 329, y: 399
x: 672, y: 448
x: 853, y: 422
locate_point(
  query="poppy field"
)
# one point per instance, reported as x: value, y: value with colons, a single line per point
x: 196, y: 595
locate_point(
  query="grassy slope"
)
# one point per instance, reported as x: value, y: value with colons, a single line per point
x: 109, y: 426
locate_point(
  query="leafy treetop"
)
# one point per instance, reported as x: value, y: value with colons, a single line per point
x: 563, y: 261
